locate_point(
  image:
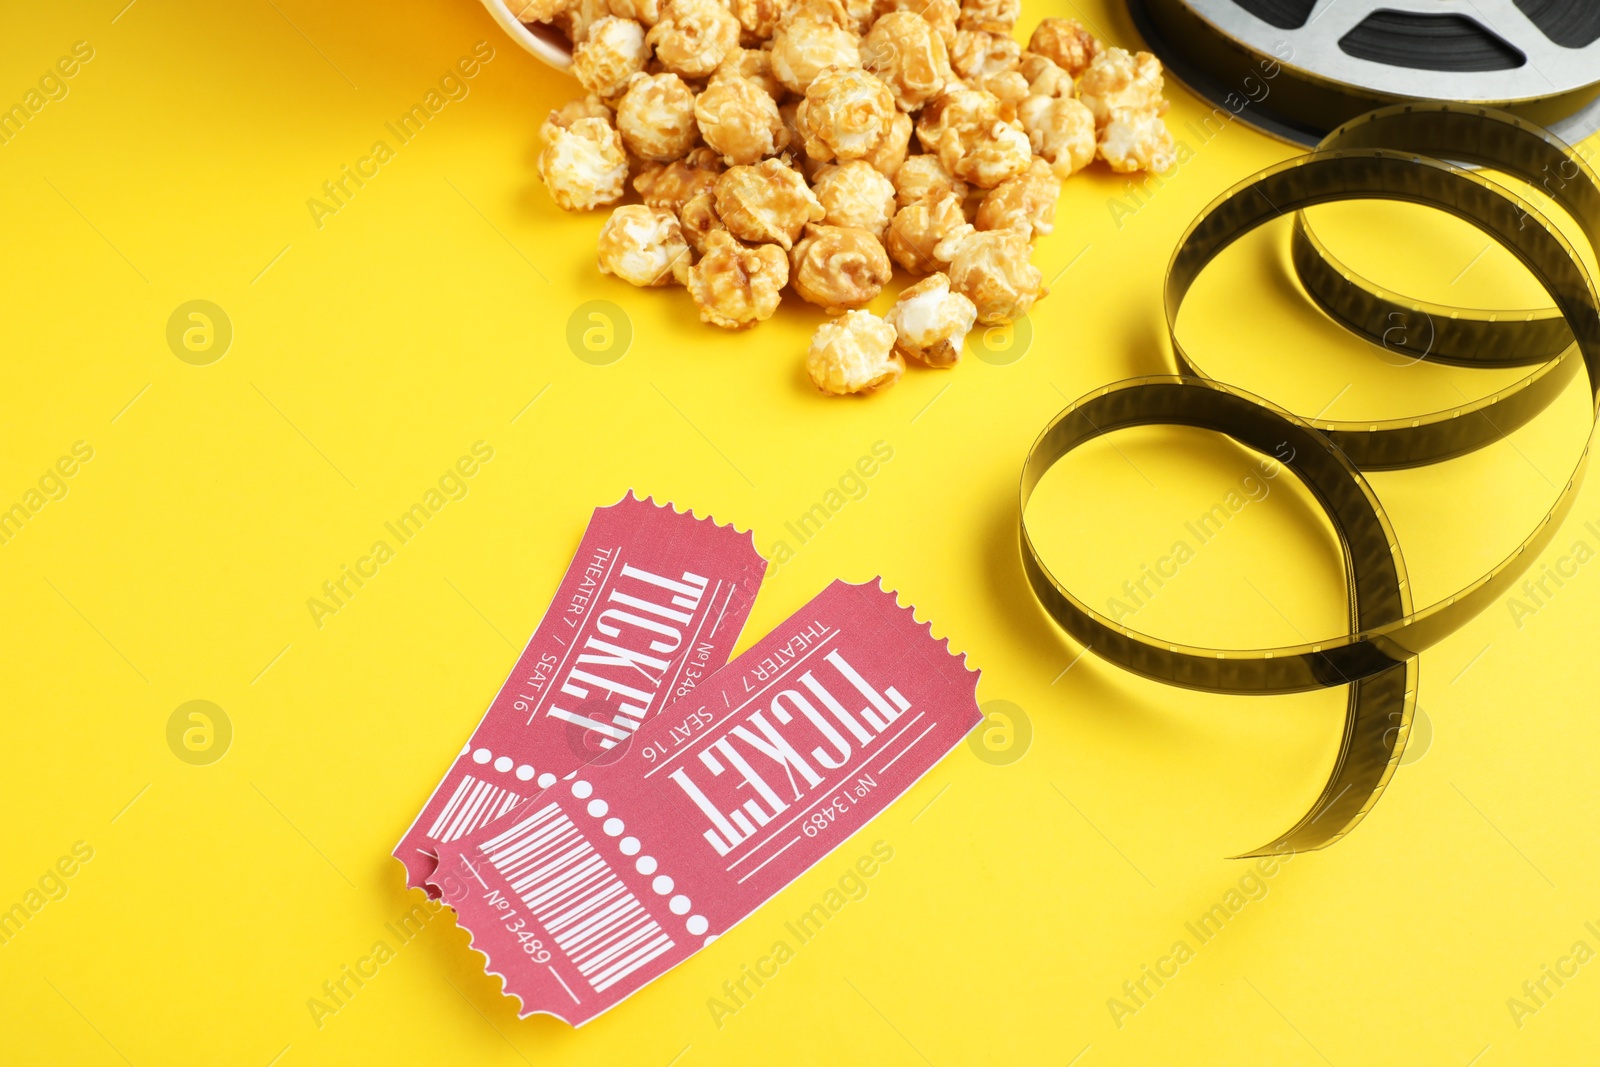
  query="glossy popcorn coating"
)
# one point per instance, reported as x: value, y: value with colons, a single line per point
x: 924, y: 236
x: 891, y: 151
x: 976, y: 54
x: 908, y: 55
x: 1060, y: 131
x: 643, y: 246
x: 1117, y: 80
x: 670, y: 185
x: 845, y: 114
x: 578, y: 19
x: 931, y: 322
x: 1066, y: 43
x: 994, y: 16
x: 740, y: 119
x: 583, y: 166
x: 736, y: 286
x: 855, y: 194
x: 773, y: 139
x: 992, y: 270
x: 562, y: 118
x: 965, y: 127
x: 699, y: 220
x: 838, y: 267
x: 920, y: 177
x: 768, y: 202
x: 611, y: 53
x: 758, y: 19
x: 1026, y: 203
x: 1135, y: 139
x: 692, y: 37
x: 755, y: 64
x: 645, y: 12
x: 854, y: 354
x: 807, y: 42
x: 656, y: 117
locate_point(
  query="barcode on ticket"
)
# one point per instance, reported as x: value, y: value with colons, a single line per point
x: 475, y: 803
x: 601, y: 927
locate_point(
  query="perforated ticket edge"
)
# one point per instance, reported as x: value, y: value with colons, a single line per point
x: 419, y: 868
x: 939, y: 654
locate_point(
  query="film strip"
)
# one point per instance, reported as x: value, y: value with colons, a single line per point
x: 1396, y: 153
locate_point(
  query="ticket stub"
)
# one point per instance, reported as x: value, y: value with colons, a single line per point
x: 621, y: 870
x: 651, y: 604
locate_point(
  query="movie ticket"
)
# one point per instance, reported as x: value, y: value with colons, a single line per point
x: 624, y: 868
x: 651, y: 604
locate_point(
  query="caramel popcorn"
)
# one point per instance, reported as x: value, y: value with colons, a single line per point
x: 973, y: 142
x: 698, y: 217
x: 854, y: 354
x: 845, y: 114
x: 992, y: 270
x: 1045, y: 77
x: 588, y: 107
x: 758, y: 128
x: 739, y: 119
x: 1116, y: 80
x: 788, y: 110
x: 920, y: 177
x: 891, y: 151
x: 1026, y: 203
x: 693, y: 37
x: 863, y: 13
x: 1136, y: 139
x: 767, y: 202
x: 854, y: 194
x: 656, y: 117
x: 644, y: 246
x: 930, y: 322
x: 1066, y: 43
x: 976, y: 54
x: 924, y: 236
x: 611, y: 53
x: 577, y: 20
x: 583, y: 166
x: 992, y: 16
x: 908, y: 55
x: 940, y: 14
x: 1061, y: 131
x: 837, y: 267
x: 806, y: 43
x: 757, y: 19
x: 670, y: 185
x: 755, y: 64
x: 1010, y: 87
x: 645, y: 12
x: 736, y: 286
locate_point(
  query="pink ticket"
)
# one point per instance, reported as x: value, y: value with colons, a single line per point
x: 651, y: 605
x: 623, y: 869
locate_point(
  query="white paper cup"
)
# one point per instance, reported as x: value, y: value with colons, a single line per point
x: 546, y: 42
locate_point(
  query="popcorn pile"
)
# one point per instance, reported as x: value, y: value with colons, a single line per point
x: 771, y: 143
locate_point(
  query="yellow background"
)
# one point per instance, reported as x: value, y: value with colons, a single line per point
x: 425, y: 315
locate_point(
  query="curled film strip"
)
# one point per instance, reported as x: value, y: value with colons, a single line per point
x: 1396, y: 153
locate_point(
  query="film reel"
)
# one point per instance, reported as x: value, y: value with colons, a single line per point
x: 1377, y: 656
x: 1299, y: 68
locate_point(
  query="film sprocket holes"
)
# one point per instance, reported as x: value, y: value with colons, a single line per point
x: 1394, y: 153
x: 652, y: 602
x: 618, y: 872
